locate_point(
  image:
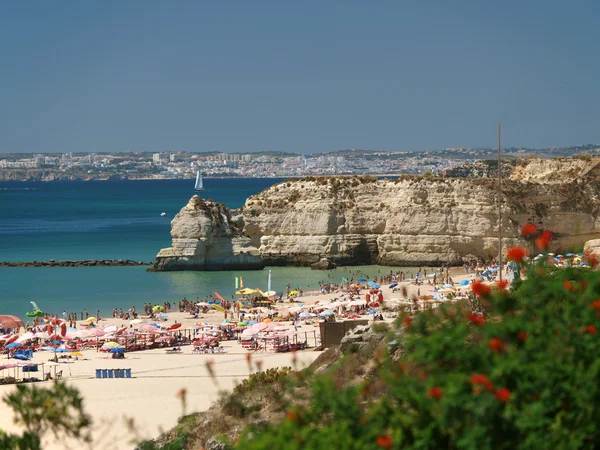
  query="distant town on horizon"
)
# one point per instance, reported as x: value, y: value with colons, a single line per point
x: 275, y: 164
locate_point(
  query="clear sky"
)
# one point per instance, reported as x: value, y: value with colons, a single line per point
x: 301, y: 76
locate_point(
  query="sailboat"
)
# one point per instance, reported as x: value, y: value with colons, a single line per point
x: 199, y: 186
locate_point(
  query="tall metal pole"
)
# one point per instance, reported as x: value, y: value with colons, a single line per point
x: 499, y: 208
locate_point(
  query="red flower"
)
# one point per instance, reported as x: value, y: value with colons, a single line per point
x: 496, y: 345
x: 544, y: 239
x: 384, y: 441
x: 291, y: 416
x: 503, y: 395
x: 479, y: 378
x: 596, y: 304
x: 476, y: 319
x: 516, y: 254
x: 522, y: 336
x: 590, y: 329
x: 528, y: 230
x: 480, y: 289
x: 406, y: 321
x: 568, y: 285
x: 502, y: 284
x: 489, y: 386
x: 435, y: 392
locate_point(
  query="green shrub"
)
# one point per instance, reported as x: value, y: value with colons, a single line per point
x: 524, y: 377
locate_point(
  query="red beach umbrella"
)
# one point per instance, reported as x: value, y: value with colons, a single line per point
x: 174, y: 326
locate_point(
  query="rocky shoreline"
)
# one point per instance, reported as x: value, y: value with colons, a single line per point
x: 76, y: 263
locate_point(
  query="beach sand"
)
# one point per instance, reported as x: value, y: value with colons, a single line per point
x: 150, y: 397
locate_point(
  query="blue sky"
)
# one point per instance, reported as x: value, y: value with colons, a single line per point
x: 300, y: 76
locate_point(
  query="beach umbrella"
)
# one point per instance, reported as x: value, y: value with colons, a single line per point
x: 111, y: 344
x: 327, y: 313
x: 241, y: 324
x: 174, y: 326
x: 117, y: 349
x: 252, y: 322
x: 464, y: 283
x: 90, y: 319
x: 393, y: 285
x: 447, y: 285
x: 61, y: 350
x: 75, y: 354
x: 96, y: 332
x: 375, y: 286
x: 267, y: 320
x: 12, y: 345
x: 202, y: 304
x: 362, y: 280
x: 247, y: 291
x: 293, y: 293
x: 373, y: 311
x: 157, y: 308
x: 259, y: 326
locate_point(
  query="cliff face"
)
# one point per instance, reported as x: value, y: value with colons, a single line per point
x: 415, y: 221
x: 408, y: 221
x: 205, y: 238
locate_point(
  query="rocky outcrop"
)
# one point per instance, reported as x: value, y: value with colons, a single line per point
x: 422, y: 221
x: 323, y: 264
x: 409, y: 221
x: 205, y: 238
x: 76, y: 263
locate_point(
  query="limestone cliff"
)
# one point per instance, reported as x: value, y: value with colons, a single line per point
x: 205, y: 238
x: 421, y: 221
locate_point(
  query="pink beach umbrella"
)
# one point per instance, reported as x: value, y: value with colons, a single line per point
x: 96, y: 332
x: 82, y: 334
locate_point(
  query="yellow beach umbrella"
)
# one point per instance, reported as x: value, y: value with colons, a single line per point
x: 112, y: 344
x: 247, y: 291
x: 90, y: 319
x: 76, y: 354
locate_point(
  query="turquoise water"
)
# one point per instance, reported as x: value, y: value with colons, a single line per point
x: 116, y: 219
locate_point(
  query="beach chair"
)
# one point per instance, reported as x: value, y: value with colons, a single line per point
x: 59, y: 375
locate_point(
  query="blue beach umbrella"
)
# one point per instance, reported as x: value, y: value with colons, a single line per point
x: 393, y: 285
x: 362, y: 280
x: 373, y: 311
x: 117, y: 350
x: 13, y: 345
x: 464, y: 283
x: 61, y: 350
x: 375, y: 286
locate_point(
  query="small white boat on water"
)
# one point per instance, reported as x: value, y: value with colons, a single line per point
x: 163, y: 214
x: 199, y: 186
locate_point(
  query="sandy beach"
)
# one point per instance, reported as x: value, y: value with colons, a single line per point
x: 150, y: 396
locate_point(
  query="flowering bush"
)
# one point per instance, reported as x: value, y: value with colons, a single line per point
x: 526, y: 377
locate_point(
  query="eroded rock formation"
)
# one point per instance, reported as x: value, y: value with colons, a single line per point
x: 422, y: 221
x: 404, y: 222
x: 205, y: 238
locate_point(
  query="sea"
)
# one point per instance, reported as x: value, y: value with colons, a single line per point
x: 119, y: 219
